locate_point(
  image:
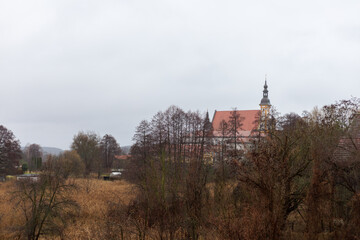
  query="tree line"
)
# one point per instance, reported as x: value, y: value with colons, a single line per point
x: 89, y: 153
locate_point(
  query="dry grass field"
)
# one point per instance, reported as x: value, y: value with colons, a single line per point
x: 93, y: 197
x: 102, y: 215
x: 9, y: 214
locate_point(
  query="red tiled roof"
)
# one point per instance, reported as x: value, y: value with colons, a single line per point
x: 122, y: 157
x: 249, y: 122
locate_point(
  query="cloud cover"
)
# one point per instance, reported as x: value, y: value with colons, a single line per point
x: 104, y: 66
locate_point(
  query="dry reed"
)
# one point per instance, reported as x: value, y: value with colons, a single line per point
x: 93, y: 197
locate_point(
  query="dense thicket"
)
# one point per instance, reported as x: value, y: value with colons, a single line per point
x: 171, y: 173
x: 300, y: 180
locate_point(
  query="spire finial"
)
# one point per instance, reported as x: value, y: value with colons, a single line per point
x: 265, y: 80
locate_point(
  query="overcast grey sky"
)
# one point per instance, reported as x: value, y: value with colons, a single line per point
x: 71, y: 65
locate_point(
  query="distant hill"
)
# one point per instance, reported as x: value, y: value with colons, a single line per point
x: 58, y: 151
x: 52, y: 150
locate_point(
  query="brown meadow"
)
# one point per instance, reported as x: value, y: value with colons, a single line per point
x: 93, y: 197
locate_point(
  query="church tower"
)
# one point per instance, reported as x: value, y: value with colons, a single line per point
x: 265, y: 109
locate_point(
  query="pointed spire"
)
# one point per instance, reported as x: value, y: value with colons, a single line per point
x: 207, y: 123
x: 207, y: 116
x: 265, y: 100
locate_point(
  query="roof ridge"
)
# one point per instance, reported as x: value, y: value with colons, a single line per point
x: 238, y: 110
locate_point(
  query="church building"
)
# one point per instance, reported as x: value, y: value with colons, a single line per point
x: 241, y: 125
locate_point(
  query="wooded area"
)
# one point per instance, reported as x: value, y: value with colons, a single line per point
x: 299, y: 180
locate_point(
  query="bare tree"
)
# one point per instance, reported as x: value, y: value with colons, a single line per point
x: 234, y: 125
x: 45, y: 203
x: 109, y: 148
x: 142, y: 138
x: 275, y: 175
